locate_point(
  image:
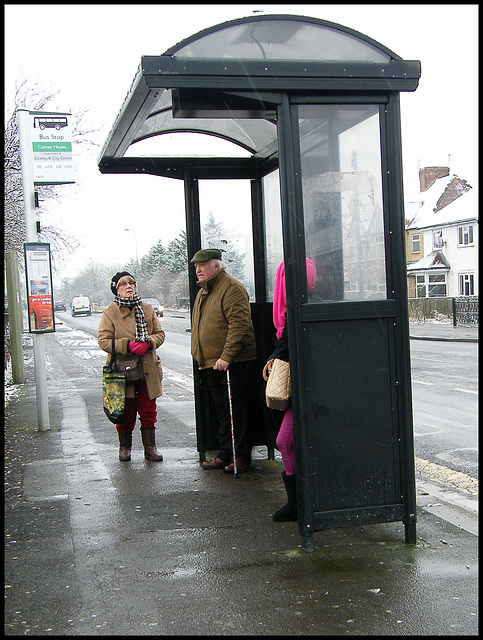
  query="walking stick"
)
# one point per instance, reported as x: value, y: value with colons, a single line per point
x: 231, y: 421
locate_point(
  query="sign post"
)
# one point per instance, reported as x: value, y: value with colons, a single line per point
x: 51, y: 139
x: 46, y: 156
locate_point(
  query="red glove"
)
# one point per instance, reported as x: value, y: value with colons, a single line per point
x: 139, y: 348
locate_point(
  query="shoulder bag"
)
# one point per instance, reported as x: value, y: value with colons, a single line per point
x: 131, y: 366
x: 277, y: 392
x: 114, y: 392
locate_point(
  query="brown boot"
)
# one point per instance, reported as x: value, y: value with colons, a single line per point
x: 125, y: 444
x: 150, y: 452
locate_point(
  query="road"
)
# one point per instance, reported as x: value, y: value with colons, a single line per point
x: 445, y: 394
x: 445, y: 403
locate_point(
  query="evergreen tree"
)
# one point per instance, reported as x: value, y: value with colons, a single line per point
x: 216, y: 237
x: 155, y: 258
x: 176, y: 255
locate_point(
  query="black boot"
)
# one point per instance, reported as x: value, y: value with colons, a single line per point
x: 288, y: 513
x: 125, y: 444
x: 150, y: 452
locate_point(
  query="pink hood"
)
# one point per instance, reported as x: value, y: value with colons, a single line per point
x: 279, y: 294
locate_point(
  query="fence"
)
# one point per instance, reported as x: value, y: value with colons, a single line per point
x: 463, y: 310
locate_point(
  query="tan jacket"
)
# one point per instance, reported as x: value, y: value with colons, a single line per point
x: 119, y: 323
x: 221, y: 323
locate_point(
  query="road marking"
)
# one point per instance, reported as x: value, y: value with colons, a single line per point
x: 434, y: 419
x: 465, y: 390
x: 426, y: 433
x: 429, y: 384
x: 433, y: 471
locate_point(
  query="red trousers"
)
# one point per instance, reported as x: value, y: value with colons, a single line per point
x: 142, y: 405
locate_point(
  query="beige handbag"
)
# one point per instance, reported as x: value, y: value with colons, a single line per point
x: 277, y: 392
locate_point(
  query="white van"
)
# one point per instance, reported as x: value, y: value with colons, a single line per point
x: 81, y: 305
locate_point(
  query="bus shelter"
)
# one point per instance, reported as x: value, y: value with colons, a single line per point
x: 308, y: 116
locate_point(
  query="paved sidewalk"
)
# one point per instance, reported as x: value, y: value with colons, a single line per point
x: 442, y: 331
x: 99, y: 547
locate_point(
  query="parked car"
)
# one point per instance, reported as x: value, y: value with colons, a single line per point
x: 81, y: 305
x: 157, y: 306
x: 60, y: 306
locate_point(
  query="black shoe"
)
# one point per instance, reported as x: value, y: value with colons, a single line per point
x: 288, y: 513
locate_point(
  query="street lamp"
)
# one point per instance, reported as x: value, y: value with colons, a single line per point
x: 135, y: 242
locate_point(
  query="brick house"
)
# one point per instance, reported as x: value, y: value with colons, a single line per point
x: 442, y: 237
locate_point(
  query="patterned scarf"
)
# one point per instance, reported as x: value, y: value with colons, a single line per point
x: 141, y: 326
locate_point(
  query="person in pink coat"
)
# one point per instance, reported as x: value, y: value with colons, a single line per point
x: 285, y: 441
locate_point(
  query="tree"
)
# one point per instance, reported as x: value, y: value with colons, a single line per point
x: 176, y: 255
x: 92, y: 281
x: 215, y: 236
x: 154, y: 259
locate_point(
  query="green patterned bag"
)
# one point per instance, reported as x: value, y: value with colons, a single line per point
x: 114, y: 392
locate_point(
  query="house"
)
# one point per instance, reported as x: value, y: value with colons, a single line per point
x: 442, y: 237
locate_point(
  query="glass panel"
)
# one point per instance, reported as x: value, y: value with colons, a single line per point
x: 228, y: 137
x: 226, y: 224
x: 281, y: 40
x: 421, y: 291
x: 342, y: 194
x: 437, y: 239
x: 182, y: 145
x: 273, y: 228
x: 437, y: 285
x: 470, y: 287
x: 416, y: 243
x: 465, y: 235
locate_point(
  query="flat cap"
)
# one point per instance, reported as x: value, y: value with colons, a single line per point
x: 206, y: 254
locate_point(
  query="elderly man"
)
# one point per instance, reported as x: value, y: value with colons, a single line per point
x: 222, y: 337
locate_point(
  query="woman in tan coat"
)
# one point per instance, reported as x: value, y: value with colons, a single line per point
x: 134, y: 327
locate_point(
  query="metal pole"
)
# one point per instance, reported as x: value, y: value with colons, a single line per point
x: 15, y: 321
x: 23, y: 119
x: 231, y: 421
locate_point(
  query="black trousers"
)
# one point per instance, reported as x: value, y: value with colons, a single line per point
x: 240, y: 380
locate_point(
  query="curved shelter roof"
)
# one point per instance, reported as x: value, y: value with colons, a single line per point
x: 225, y: 82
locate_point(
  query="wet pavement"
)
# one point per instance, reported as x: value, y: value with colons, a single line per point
x: 99, y: 547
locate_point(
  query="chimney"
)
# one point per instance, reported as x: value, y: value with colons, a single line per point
x: 428, y: 176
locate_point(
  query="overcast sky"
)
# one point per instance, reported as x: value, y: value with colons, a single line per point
x: 91, y: 53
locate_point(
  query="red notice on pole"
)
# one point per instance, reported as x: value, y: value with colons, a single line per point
x: 39, y: 287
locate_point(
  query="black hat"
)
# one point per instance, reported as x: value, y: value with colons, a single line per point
x: 206, y: 254
x: 115, y: 279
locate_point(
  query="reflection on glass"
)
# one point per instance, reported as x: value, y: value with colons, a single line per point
x: 226, y: 224
x: 342, y: 194
x: 282, y: 39
x: 273, y: 228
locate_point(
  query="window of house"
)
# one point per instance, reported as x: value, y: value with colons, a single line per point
x: 431, y: 285
x: 416, y: 240
x: 437, y: 285
x: 465, y: 235
x: 420, y: 286
x: 466, y: 284
x: 437, y: 239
